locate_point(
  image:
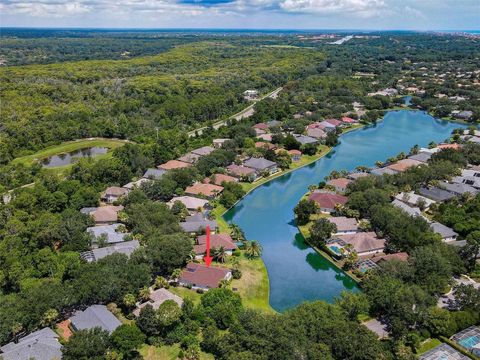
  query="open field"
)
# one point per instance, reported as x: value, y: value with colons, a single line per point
x: 69, y: 146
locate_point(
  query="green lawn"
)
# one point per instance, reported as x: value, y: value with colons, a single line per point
x: 186, y: 293
x: 218, y: 212
x: 428, y: 345
x: 68, y: 147
x: 150, y: 352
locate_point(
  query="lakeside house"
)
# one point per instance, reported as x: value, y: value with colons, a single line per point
x: 403, y: 165
x: 327, y: 126
x: 357, y: 175
x: 344, y: 225
x: 364, y: 243
x: 340, y: 184
x: 157, y: 298
x: 316, y: 133
x: 104, y: 214
x: 296, y: 155
x: 216, y: 241
x: 261, y: 165
x: 203, y: 277
x: 190, y: 202
x: 469, y: 339
x: 126, y: 248
x: 113, y: 193
x: 210, y: 191
x: 335, y: 122
x: 348, y: 120
x: 203, y: 151
x: 42, y: 344
x: 422, y: 156
x: 462, y: 115
x: 305, y: 140
x: 154, y: 174
x: 219, y: 179
x: 197, y: 224
x: 242, y: 172
x: 174, y: 164
x: 382, y: 171
x: 111, y: 232
x: 327, y: 201
x: 94, y: 316
x: 365, y: 264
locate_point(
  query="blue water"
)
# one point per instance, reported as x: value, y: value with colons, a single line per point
x: 407, y: 100
x: 296, y: 272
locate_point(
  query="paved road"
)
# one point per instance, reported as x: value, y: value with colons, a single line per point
x: 245, y: 113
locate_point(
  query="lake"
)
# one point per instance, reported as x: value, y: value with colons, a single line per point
x: 296, y: 272
x: 73, y: 156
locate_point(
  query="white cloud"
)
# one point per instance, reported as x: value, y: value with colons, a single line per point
x: 361, y: 8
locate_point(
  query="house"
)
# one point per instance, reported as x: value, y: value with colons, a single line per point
x: 94, y: 316
x: 219, y: 179
x: 208, y: 190
x: 304, y: 140
x: 421, y: 156
x: 261, y: 126
x: 374, y: 262
x: 445, y: 232
x: 364, y: 243
x: 265, y: 137
x: 203, y: 151
x: 385, y: 92
x: 154, y: 174
x: 327, y: 126
x: 382, y: 171
x: 334, y: 122
x: 349, y: 121
x: 197, y: 224
x: 469, y: 339
x: 261, y: 165
x: 296, y: 155
x: 241, y: 172
x: 259, y: 132
x: 104, y: 214
x: 443, y: 351
x: 344, y: 225
x: 357, y: 175
x: 327, y: 201
x: 157, y: 298
x: 189, y: 158
x: 40, y: 345
x: 250, y: 94
x: 462, y: 115
x: 403, y: 165
x: 458, y: 189
x: 174, y: 164
x: 203, y: 277
x: 435, y: 193
x: 216, y: 241
x: 469, y: 177
x: 413, y: 199
x: 218, y: 143
x: 410, y: 210
x: 135, y: 184
x: 264, y: 145
x: 339, y: 184
x: 113, y: 193
x: 190, y: 202
x: 316, y: 133
x: 126, y: 248
x: 112, y: 233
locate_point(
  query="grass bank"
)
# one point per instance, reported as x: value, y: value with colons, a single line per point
x: 70, y: 146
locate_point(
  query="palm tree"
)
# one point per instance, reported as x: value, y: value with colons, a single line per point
x: 161, y: 282
x: 129, y: 300
x: 49, y: 317
x: 253, y: 249
x: 235, y: 263
x: 237, y: 233
x: 144, y: 293
x: 220, y: 254
x: 176, y: 274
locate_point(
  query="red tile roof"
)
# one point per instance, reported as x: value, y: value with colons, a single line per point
x: 334, y: 122
x: 261, y: 126
x: 404, y: 164
x: 328, y: 200
x: 449, y: 146
x: 204, y: 189
x: 348, y: 120
x: 240, y: 170
x: 203, y: 276
x: 216, y: 241
x: 294, y: 152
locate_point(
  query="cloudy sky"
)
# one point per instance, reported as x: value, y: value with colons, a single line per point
x: 258, y: 14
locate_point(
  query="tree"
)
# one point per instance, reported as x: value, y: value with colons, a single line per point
x: 304, y: 209
x: 331, y: 139
x: 253, y: 249
x: 49, y: 317
x: 168, y: 252
x: 237, y: 233
x: 127, y: 338
x: 321, y: 230
x: 353, y: 304
x: 87, y: 344
x: 129, y: 300
x: 472, y: 249
x: 222, y: 305
x: 220, y: 254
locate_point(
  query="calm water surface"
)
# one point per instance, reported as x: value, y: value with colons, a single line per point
x: 296, y: 272
x: 71, y: 157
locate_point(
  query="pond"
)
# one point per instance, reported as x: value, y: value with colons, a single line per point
x: 296, y: 272
x: 73, y: 156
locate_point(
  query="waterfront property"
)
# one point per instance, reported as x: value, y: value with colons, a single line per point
x: 217, y: 241
x: 297, y: 273
x: 203, y: 277
x: 327, y: 201
x: 344, y: 225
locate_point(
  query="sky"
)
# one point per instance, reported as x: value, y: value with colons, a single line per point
x: 244, y: 14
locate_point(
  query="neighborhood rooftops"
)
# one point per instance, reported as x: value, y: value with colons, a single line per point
x: 95, y: 316
x: 402, y: 165
x: 445, y: 232
x: 208, y: 190
x: 202, y: 276
x: 154, y: 174
x: 111, y: 232
x: 363, y: 242
x: 412, y: 211
x: 39, y: 345
x: 327, y: 201
x: 104, y: 214
x: 435, y: 193
x: 344, y: 224
x: 304, y: 140
x: 126, y: 247
x: 190, y: 202
x: 219, y: 179
x: 204, y: 150
x: 216, y: 241
x: 421, y: 156
x: 240, y: 171
x: 458, y: 189
x: 196, y: 224
x: 174, y: 164
x: 259, y: 164
x: 382, y: 171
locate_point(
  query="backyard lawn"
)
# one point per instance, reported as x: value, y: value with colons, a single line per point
x: 150, y: 352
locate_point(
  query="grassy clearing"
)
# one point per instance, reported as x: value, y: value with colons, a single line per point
x: 150, y: 352
x: 428, y: 345
x: 218, y: 212
x: 185, y: 293
x: 69, y: 146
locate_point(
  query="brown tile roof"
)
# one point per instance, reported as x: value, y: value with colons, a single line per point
x: 190, y: 158
x: 343, y: 223
x: 204, y: 189
x: 107, y: 213
x: 216, y: 241
x: 174, y: 164
x: 114, y: 191
x: 261, y: 126
x: 240, y: 170
x: 402, y: 256
x: 334, y: 122
x: 219, y: 179
x: 403, y: 165
x: 340, y: 182
x: 363, y: 241
x: 328, y: 200
x: 203, y: 276
x: 449, y: 146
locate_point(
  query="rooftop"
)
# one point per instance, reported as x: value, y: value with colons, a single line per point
x: 435, y: 193
x: 208, y: 190
x: 259, y: 163
x: 402, y: 165
x: 216, y: 241
x: 343, y: 223
x: 204, y: 150
x: 174, y: 164
x: 444, y: 231
x: 111, y: 231
x: 107, y: 213
x: 126, y: 247
x: 363, y: 241
x: 203, y: 276
x: 219, y: 179
x: 443, y: 352
x: 240, y: 170
x: 327, y: 200
x: 95, y: 316
x: 39, y: 345
x: 190, y: 202
x: 154, y: 174
x: 421, y: 156
x: 157, y: 298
